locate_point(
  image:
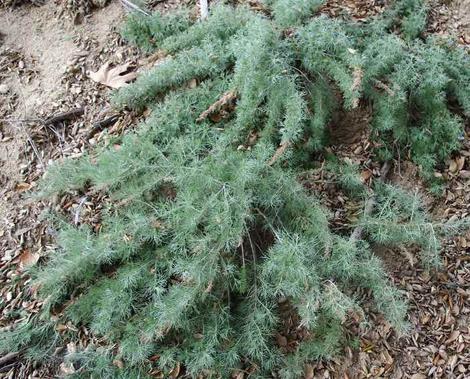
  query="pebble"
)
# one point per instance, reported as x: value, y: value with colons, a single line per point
x: 4, y: 89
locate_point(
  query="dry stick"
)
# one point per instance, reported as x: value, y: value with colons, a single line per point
x: 35, y: 149
x: 370, y: 204
x: 280, y: 150
x: 357, y: 80
x: 102, y: 124
x: 8, y: 358
x: 11, y: 119
x: 65, y: 116
x: 383, y: 86
x: 204, y: 9
x: 76, y: 218
x: 7, y: 367
x: 226, y: 98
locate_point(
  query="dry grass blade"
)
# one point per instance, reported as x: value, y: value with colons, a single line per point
x: 27, y: 259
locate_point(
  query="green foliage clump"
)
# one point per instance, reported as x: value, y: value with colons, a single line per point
x: 289, y: 13
x: 422, y: 79
x: 208, y: 230
x: 410, y: 15
x: 148, y: 32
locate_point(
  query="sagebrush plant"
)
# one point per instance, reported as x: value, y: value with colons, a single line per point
x: 208, y: 229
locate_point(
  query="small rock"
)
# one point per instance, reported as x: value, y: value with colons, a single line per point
x: 4, y: 89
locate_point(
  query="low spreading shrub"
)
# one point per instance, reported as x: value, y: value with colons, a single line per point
x: 208, y: 233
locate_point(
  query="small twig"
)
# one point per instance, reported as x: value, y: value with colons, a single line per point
x: 102, y: 124
x: 35, y: 150
x: 52, y: 129
x: 76, y: 218
x: 253, y: 254
x: 32, y: 144
x: 10, y: 119
x: 7, y: 367
x: 357, y: 81
x: 132, y: 7
x: 328, y: 247
x: 370, y: 204
x: 65, y: 116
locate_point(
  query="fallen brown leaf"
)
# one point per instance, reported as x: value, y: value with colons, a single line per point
x: 21, y: 187
x: 453, y: 336
x: 66, y: 369
x: 309, y: 374
x: 365, y: 175
x: 113, y: 77
x: 61, y: 327
x: 118, y: 363
x: 175, y: 372
x: 192, y: 83
x: 281, y: 340
x: 28, y: 259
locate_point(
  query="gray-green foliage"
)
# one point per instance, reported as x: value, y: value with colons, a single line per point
x: 289, y: 13
x: 205, y: 234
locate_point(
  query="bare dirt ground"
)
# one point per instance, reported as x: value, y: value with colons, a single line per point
x: 45, y: 49
x: 44, y: 60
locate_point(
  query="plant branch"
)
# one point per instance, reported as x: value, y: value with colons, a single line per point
x: 204, y: 9
x: 370, y: 203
